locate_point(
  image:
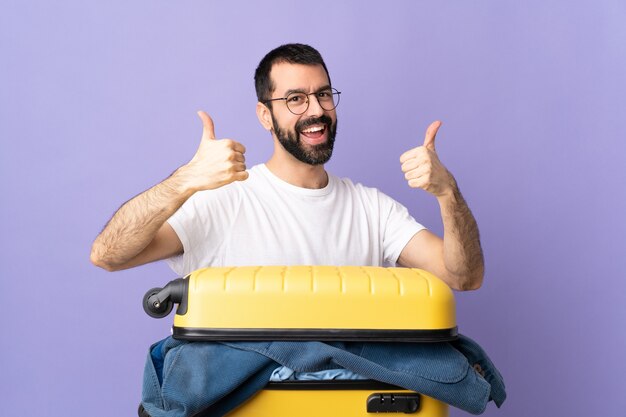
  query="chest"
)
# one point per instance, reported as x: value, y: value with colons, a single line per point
x: 321, y: 231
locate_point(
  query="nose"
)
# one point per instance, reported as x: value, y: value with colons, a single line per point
x: 314, y: 110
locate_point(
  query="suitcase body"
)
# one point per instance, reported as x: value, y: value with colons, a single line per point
x: 315, y: 303
x: 334, y: 398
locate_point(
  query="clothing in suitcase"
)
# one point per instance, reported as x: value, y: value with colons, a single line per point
x: 360, y: 312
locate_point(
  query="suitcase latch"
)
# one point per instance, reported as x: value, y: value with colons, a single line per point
x: 401, y: 402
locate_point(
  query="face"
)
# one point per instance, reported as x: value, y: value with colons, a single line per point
x: 310, y: 136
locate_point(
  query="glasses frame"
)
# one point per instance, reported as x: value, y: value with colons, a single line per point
x: 334, y: 92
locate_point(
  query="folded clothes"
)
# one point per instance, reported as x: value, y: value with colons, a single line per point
x: 287, y: 374
x: 182, y: 378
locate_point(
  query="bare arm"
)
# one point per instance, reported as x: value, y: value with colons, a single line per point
x: 458, y: 258
x: 138, y: 233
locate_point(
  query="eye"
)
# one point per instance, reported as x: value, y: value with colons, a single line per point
x: 324, y: 94
x: 295, y: 98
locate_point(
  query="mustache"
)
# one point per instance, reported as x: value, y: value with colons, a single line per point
x: 323, y: 119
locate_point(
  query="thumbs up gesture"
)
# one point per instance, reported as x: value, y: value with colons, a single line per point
x: 422, y: 168
x: 217, y: 162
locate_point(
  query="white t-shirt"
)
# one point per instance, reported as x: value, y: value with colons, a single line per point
x: 267, y: 221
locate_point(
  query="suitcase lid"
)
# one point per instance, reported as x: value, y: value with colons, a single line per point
x: 315, y: 303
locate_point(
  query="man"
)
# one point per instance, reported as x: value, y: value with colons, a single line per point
x: 213, y: 212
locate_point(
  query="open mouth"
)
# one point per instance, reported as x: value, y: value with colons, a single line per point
x: 314, y: 134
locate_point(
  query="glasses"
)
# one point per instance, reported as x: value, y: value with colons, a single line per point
x: 298, y: 103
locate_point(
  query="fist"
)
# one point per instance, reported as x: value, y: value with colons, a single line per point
x: 422, y: 168
x: 217, y: 162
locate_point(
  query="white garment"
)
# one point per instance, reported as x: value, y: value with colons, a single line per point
x: 267, y: 221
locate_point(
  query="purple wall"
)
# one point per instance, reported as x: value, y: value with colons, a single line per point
x: 98, y: 101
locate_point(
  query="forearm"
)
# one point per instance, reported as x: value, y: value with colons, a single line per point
x: 462, y: 254
x: 136, y: 223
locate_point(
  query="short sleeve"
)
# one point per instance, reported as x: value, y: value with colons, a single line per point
x: 186, y: 222
x: 201, y: 224
x: 398, y: 227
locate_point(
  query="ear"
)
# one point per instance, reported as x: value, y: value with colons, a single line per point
x: 264, y: 115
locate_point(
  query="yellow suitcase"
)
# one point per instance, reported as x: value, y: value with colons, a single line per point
x: 324, y: 303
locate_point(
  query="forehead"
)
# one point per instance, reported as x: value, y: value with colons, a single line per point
x: 286, y: 76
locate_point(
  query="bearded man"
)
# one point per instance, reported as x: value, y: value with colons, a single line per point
x: 212, y: 211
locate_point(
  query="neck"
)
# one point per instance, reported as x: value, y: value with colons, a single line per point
x: 297, y: 173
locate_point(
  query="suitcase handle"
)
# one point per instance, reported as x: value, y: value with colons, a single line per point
x: 393, y: 403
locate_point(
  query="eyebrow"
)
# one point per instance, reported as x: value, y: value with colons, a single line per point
x: 301, y: 90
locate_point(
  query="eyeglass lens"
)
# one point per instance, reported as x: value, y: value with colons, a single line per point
x: 298, y: 103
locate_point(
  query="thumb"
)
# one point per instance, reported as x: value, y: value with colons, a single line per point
x: 208, y: 130
x: 431, y: 132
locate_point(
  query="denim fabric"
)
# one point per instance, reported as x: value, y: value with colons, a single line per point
x: 221, y: 375
x: 197, y: 376
x: 477, y: 356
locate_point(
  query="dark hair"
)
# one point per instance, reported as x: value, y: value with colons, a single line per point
x: 293, y: 53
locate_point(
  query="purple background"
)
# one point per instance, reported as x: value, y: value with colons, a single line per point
x: 98, y: 102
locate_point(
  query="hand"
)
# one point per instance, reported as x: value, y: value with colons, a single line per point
x: 217, y: 162
x: 422, y: 168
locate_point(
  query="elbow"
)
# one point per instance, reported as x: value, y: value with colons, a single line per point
x: 100, y: 262
x: 471, y: 285
x: 468, y: 282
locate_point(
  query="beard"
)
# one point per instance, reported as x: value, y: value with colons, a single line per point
x: 312, y: 155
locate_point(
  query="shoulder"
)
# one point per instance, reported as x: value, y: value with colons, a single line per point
x: 346, y: 184
x: 370, y: 196
x: 228, y: 196
x: 232, y: 190
x: 258, y: 174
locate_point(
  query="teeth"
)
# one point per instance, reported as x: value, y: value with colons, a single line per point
x: 313, y: 129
